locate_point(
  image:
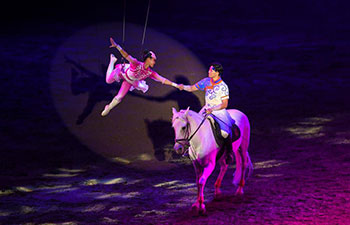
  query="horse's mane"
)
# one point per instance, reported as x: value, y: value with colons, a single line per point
x: 193, y: 114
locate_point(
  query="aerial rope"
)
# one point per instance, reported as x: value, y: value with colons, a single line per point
x: 144, y: 29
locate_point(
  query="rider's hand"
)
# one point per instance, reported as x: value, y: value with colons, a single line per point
x: 208, y: 110
x: 180, y: 87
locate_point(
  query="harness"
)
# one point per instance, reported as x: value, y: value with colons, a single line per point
x: 189, y: 137
x: 185, y: 142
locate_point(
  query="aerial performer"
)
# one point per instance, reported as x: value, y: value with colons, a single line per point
x: 132, y: 75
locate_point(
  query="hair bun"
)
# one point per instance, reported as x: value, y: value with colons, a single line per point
x: 146, y: 54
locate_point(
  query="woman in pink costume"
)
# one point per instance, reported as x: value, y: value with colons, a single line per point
x: 132, y: 75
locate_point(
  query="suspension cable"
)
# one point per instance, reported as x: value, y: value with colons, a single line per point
x: 144, y: 29
x: 124, y: 15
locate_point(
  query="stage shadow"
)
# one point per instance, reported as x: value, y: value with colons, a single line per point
x: 160, y: 131
x: 86, y: 81
x: 162, y: 136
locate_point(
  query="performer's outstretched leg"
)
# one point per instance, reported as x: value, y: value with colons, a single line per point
x: 110, y: 73
x: 117, y: 99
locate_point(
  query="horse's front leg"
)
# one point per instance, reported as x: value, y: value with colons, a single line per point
x: 199, y: 205
x: 199, y: 171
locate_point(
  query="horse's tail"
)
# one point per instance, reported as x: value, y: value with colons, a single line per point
x: 243, y: 161
x: 250, y: 166
x: 245, y: 146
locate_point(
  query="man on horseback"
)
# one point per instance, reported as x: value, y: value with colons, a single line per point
x: 216, y: 98
x: 205, y: 150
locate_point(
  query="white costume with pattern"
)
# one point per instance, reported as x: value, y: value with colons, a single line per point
x: 215, y: 92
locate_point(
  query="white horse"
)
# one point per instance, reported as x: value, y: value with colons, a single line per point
x: 203, y: 150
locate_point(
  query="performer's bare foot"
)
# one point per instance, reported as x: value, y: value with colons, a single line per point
x: 113, y: 59
x: 105, y: 111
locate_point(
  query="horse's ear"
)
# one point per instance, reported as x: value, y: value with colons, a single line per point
x: 174, y: 111
x: 186, y: 112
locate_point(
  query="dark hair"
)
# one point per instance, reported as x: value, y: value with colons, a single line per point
x: 218, y: 68
x: 146, y: 54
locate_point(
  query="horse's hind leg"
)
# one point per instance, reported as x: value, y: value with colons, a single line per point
x: 242, y: 181
x: 223, y: 169
x: 246, y: 165
x: 238, y: 178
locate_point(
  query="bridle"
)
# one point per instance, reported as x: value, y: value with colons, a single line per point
x: 187, y: 138
x: 185, y: 142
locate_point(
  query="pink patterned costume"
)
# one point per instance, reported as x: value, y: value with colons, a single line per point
x: 134, y: 73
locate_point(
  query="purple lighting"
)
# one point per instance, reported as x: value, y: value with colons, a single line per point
x: 286, y: 65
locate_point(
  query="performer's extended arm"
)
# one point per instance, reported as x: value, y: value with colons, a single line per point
x: 122, y: 51
x: 163, y: 80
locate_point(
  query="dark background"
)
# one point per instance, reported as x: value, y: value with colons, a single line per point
x: 284, y: 61
x: 319, y: 12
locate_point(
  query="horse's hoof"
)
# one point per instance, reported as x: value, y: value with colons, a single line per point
x: 194, y: 209
x: 202, y: 210
x: 239, y: 192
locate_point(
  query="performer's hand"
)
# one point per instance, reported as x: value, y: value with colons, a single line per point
x: 208, y: 110
x: 180, y: 87
x: 113, y: 44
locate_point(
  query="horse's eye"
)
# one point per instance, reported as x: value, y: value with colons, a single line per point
x: 183, y: 128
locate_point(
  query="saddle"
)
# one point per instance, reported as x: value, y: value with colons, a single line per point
x: 225, y: 144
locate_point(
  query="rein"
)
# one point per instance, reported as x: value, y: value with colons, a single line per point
x: 217, y: 118
x: 189, y: 138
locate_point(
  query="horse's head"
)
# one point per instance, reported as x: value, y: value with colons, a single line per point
x: 182, y: 130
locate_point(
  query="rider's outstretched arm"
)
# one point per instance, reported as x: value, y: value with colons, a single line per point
x: 190, y: 88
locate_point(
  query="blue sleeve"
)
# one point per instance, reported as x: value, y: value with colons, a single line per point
x: 202, y: 84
